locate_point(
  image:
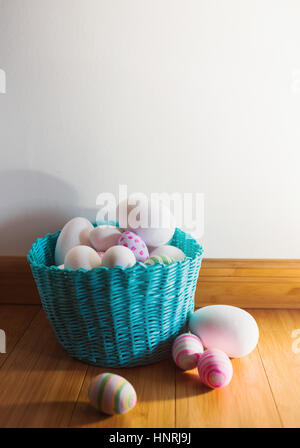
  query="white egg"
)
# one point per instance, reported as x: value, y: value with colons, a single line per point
x: 226, y: 328
x: 118, y: 256
x: 74, y: 233
x: 151, y: 220
x: 170, y: 251
x: 103, y: 237
x: 61, y: 266
x: 82, y: 257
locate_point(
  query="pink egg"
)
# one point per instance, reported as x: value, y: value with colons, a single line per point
x: 135, y: 244
x: 215, y: 368
x: 186, y: 351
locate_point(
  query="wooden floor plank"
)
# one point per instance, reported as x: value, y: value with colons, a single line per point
x: 16, y: 281
x: 281, y: 363
x: 14, y: 321
x: 155, y: 388
x: 39, y: 382
x: 245, y: 403
x: 41, y: 386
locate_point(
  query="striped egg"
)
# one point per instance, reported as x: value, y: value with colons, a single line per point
x: 215, y: 368
x: 111, y: 394
x: 161, y: 259
x: 186, y: 351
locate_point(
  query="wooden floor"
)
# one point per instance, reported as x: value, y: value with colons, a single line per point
x: 41, y: 386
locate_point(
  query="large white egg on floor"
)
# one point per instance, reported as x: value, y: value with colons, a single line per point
x: 169, y: 251
x: 226, y: 328
x: 74, y: 233
x: 118, y: 256
x: 152, y: 221
x: 103, y: 237
x: 82, y: 257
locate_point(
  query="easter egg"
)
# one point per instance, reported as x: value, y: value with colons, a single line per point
x: 111, y: 394
x: 150, y: 219
x: 82, y: 257
x: 215, y: 368
x: 186, y: 351
x: 103, y: 237
x: 170, y: 251
x: 159, y: 259
x: 225, y: 327
x: 135, y: 244
x: 74, y: 233
x: 118, y: 256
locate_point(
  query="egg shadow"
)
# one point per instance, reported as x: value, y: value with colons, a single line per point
x: 57, y: 414
x: 34, y: 203
x: 188, y: 384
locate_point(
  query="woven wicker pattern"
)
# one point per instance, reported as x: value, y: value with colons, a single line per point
x: 117, y: 317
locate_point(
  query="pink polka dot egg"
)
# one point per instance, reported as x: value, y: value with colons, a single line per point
x: 186, y: 351
x: 111, y: 394
x: 215, y: 368
x: 135, y: 243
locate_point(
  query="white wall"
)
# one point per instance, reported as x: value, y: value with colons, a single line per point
x: 162, y: 95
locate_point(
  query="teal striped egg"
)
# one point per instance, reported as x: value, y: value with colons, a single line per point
x: 111, y: 394
x: 161, y: 259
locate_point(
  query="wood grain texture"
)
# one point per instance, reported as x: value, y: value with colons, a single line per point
x: 41, y: 386
x: 249, y: 283
x: 155, y: 388
x: 39, y: 382
x: 249, y: 294
x: 16, y: 282
x: 279, y: 348
x: 244, y: 283
x: 247, y: 402
x: 14, y: 321
x: 252, y: 263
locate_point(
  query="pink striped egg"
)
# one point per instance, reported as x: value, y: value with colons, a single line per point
x: 135, y: 243
x: 111, y: 394
x: 215, y: 368
x: 186, y: 351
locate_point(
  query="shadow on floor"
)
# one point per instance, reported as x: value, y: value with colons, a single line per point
x: 52, y: 414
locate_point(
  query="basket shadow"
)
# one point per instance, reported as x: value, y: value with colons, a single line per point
x: 38, y: 203
x: 51, y: 414
x: 63, y: 414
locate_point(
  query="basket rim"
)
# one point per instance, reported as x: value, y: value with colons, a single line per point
x: 138, y: 267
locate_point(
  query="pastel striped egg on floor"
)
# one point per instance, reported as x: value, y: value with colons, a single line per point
x: 215, y: 368
x: 186, y: 351
x: 159, y: 259
x: 111, y: 394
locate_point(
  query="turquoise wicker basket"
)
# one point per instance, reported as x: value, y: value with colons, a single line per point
x: 117, y: 317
